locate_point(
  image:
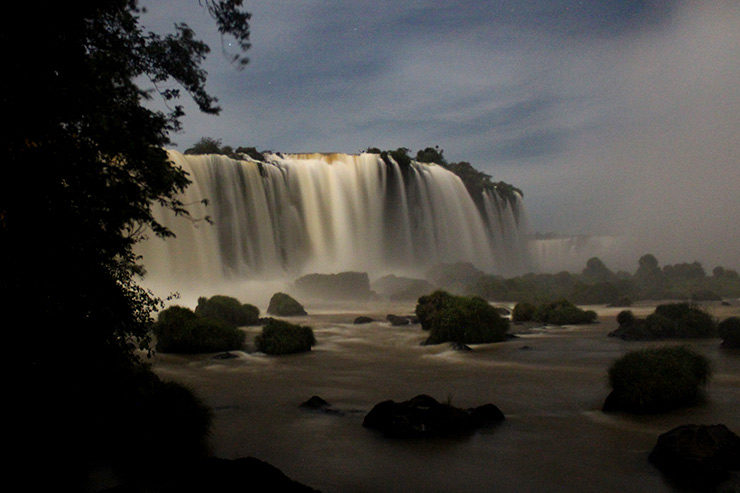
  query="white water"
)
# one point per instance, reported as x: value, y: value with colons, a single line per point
x: 303, y: 213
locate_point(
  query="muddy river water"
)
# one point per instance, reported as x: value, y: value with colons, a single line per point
x: 550, y: 383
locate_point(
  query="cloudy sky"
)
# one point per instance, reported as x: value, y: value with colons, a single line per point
x: 613, y: 116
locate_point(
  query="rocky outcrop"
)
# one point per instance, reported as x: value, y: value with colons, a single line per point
x: 698, y: 456
x: 285, y: 305
x: 423, y: 417
x: 217, y: 474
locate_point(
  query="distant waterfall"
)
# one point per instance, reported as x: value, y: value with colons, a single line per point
x: 302, y: 213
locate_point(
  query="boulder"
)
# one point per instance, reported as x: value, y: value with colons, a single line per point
x: 285, y: 305
x: 363, y: 320
x: 316, y: 403
x: 341, y: 286
x: 424, y: 417
x: 697, y: 456
x: 397, y: 319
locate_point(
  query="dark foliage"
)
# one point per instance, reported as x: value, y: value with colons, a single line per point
x: 657, y: 380
x: 83, y: 162
x: 523, y: 312
x: 180, y: 330
x: 460, y: 319
x: 228, y: 309
x: 281, y: 337
x: 669, y: 321
x: 563, y: 312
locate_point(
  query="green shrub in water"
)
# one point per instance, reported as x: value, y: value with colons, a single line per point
x: 461, y: 319
x: 657, y: 380
x: 228, y: 309
x: 281, y: 337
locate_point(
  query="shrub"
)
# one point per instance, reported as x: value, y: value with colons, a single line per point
x: 197, y: 335
x: 281, y: 337
x: 657, y: 380
x: 563, y: 312
x: 462, y: 319
x: 523, y: 312
x: 285, y: 305
x: 228, y: 309
x: 729, y: 331
x: 626, y: 317
x: 689, y: 321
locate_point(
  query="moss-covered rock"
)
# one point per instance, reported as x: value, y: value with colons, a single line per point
x: 281, y: 337
x: 563, y: 312
x: 669, y: 321
x: 282, y: 304
x: 228, y: 309
x: 657, y: 380
x: 180, y: 330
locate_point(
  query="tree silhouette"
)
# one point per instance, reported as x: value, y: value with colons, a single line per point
x: 83, y: 163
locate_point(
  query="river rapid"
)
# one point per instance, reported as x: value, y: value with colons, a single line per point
x: 550, y: 383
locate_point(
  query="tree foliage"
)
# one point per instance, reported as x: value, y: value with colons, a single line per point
x: 84, y: 162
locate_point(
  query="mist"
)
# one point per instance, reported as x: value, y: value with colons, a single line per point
x: 655, y: 159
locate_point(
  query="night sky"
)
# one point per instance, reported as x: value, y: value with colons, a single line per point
x: 614, y: 117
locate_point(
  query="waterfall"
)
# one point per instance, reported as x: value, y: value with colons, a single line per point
x: 300, y: 213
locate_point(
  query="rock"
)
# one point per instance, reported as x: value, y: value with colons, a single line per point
x: 459, y: 346
x: 486, y: 415
x: 698, y: 456
x: 285, y: 305
x: 423, y: 417
x: 401, y: 288
x: 397, y: 319
x: 363, y: 320
x: 226, y: 355
x: 316, y: 403
x: 341, y: 286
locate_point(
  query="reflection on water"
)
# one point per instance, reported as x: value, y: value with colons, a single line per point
x: 550, y: 383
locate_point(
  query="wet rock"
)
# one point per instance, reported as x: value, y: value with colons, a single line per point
x: 226, y: 355
x: 363, y: 320
x: 397, y: 319
x: 698, y: 456
x: 316, y: 403
x: 285, y: 305
x: 424, y: 417
x: 459, y: 346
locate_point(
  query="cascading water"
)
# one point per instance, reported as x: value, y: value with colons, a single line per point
x: 301, y: 213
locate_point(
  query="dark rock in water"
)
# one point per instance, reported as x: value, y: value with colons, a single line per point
x: 316, y: 403
x: 502, y: 310
x: 486, y: 415
x: 423, y: 417
x: 225, y: 475
x: 525, y: 348
x: 285, y: 305
x: 363, y: 320
x: 341, y: 286
x: 698, y: 456
x: 225, y: 355
x: 397, y: 319
x: 459, y: 346
x: 402, y: 288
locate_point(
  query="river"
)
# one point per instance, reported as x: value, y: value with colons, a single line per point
x: 549, y: 382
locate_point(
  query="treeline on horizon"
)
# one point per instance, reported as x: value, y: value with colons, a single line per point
x: 596, y: 283
x: 475, y: 181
